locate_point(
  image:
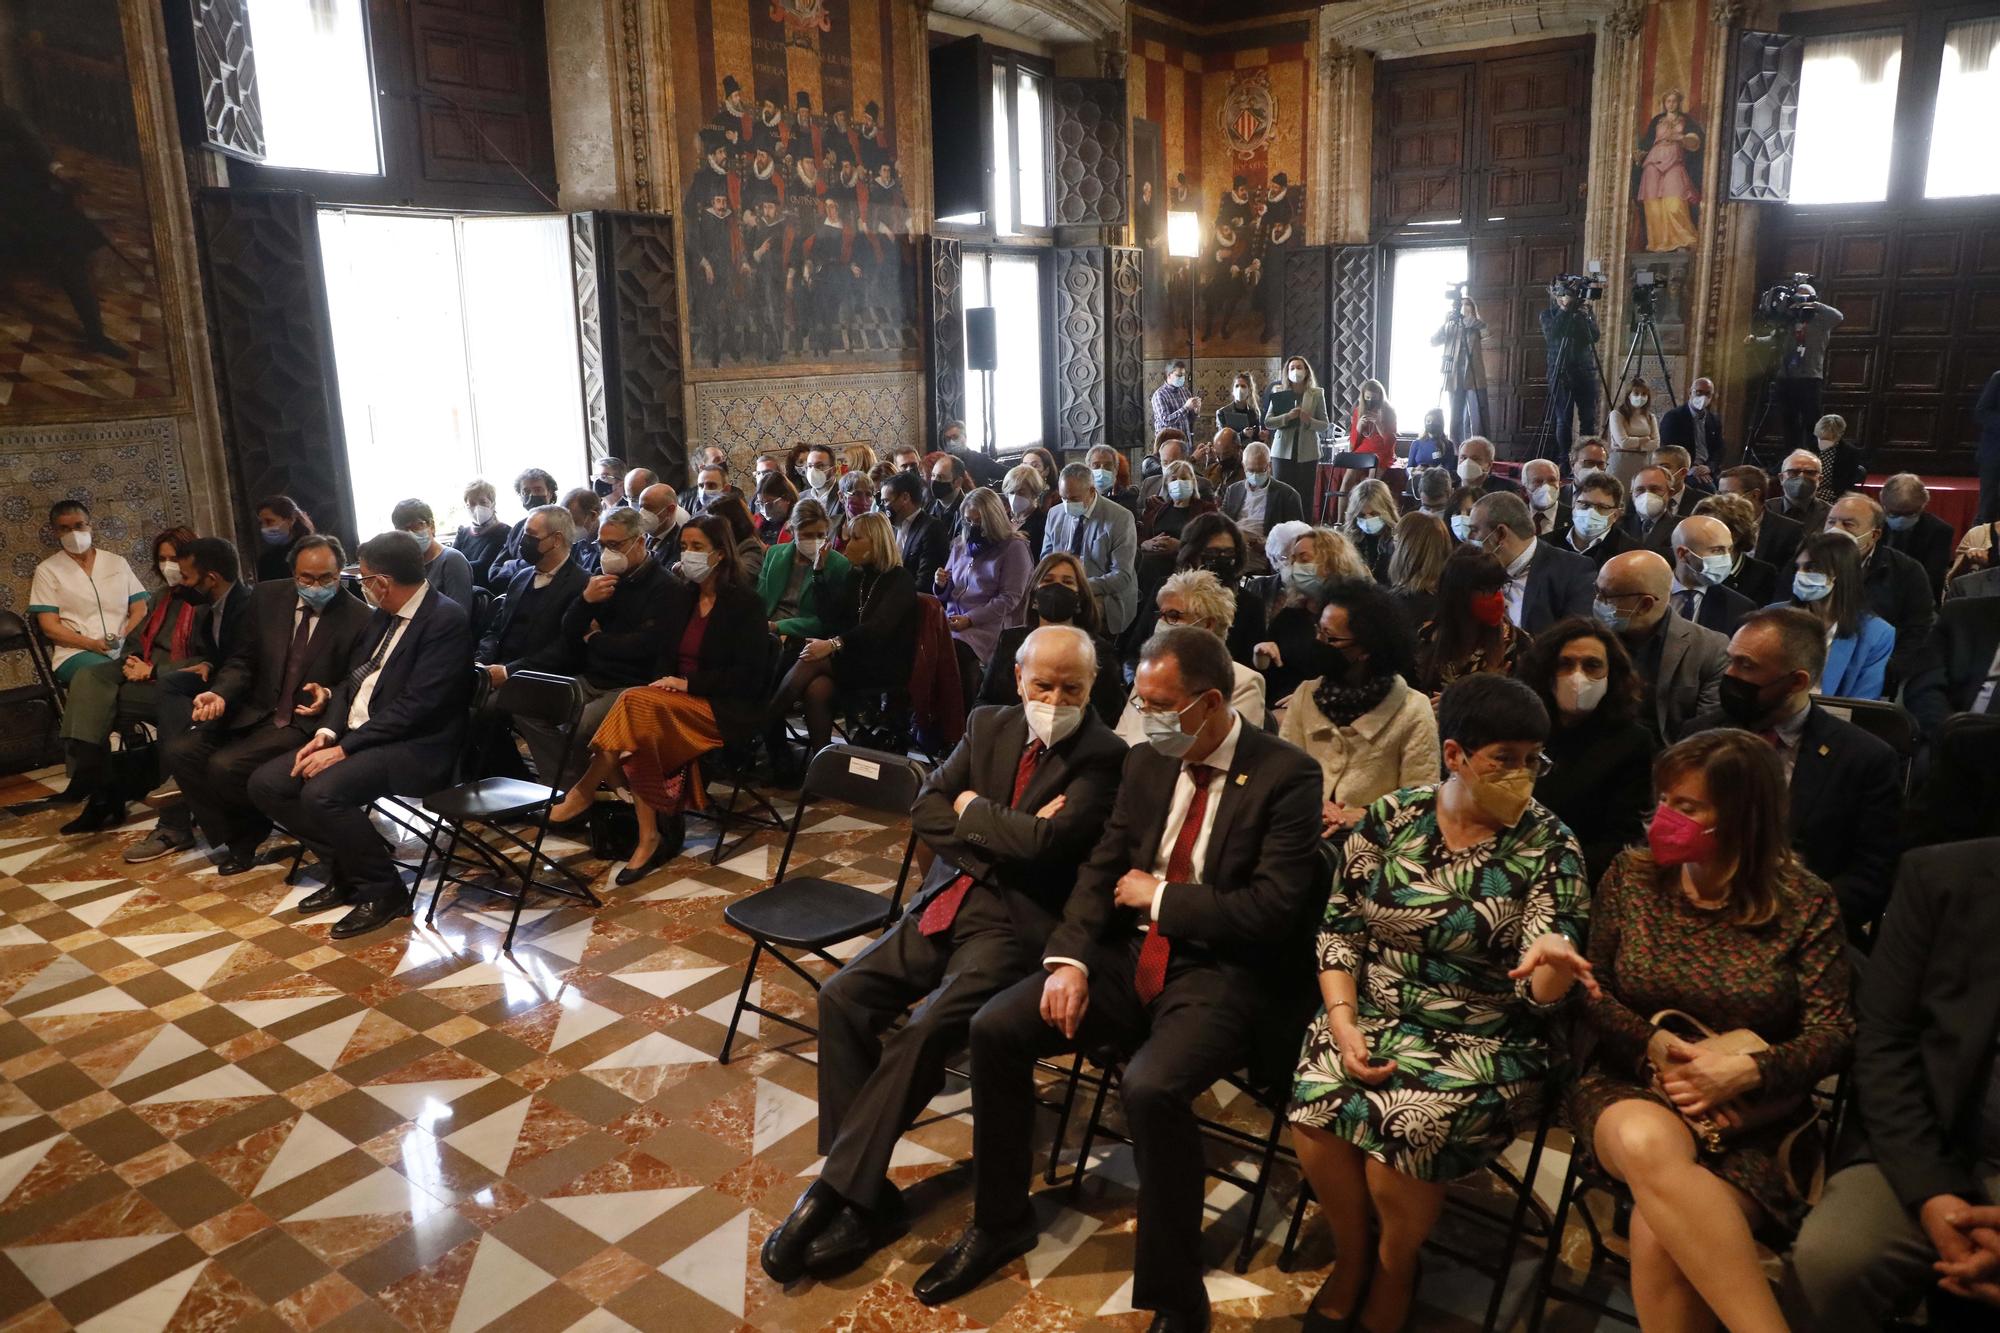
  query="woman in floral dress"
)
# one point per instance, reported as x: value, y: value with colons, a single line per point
x: 1717, y: 919
x: 1455, y: 927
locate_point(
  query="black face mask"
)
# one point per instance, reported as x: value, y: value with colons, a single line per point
x: 1056, y: 603
x: 1743, y: 702
x: 195, y: 596
x: 531, y: 547
x: 942, y: 491
x: 601, y: 486
x: 1224, y: 566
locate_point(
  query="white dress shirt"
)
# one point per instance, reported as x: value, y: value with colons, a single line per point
x: 1516, y: 590
x: 364, y: 693
x: 1255, y: 498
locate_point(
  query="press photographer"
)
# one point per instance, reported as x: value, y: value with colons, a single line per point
x: 1570, y: 331
x: 1464, y: 364
x: 1796, y: 327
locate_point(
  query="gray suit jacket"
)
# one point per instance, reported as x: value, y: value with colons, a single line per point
x: 1281, y: 504
x: 1110, y: 555
x: 1299, y: 438
x: 1692, y: 663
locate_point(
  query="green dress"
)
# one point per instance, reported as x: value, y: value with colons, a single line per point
x: 1431, y: 934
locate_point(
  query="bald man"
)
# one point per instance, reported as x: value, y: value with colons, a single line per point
x: 1011, y: 815
x: 1704, y: 558
x: 662, y: 509
x: 636, y: 482
x: 1680, y: 664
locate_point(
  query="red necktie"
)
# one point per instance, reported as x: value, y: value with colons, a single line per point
x: 940, y: 910
x: 1150, y: 978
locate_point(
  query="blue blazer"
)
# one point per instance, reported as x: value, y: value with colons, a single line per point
x: 1857, y: 662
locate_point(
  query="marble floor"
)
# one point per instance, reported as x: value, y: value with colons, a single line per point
x: 213, y: 1117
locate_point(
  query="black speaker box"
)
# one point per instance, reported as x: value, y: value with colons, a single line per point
x: 982, y: 348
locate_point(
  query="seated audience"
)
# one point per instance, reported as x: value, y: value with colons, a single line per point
x: 1799, y: 486
x: 923, y: 538
x: 1975, y: 550
x: 801, y: 582
x: 1369, y: 731
x: 1778, y: 537
x: 266, y: 696
x: 1459, y: 513
x: 1163, y: 957
x: 1915, y: 1206
x: 950, y: 484
x: 1161, y: 521
x: 1433, y: 490
x: 1958, y: 669
x: 711, y: 483
x: 1717, y: 921
x: 1433, y: 448
x: 1422, y: 547
x: 1911, y: 529
x: 584, y: 508
x: 982, y: 468
x: 610, y: 638
x: 639, y: 478
x: 1197, y: 599
x: 1475, y: 469
x: 1220, y: 461
x: 1589, y: 454
x: 712, y: 644
x: 1044, y: 462
x: 526, y: 634
x: 1542, y: 479
x: 1103, y: 535
x: 1470, y: 635
x: 662, y: 516
x: 1649, y: 517
x: 445, y: 570
x: 1023, y: 492
x: 1898, y: 589
x: 1454, y: 931
x: 1841, y: 461
x: 1544, y: 582
x: 480, y: 540
x: 1318, y: 557
x: 1110, y: 475
x: 750, y: 548
x: 983, y: 584
x: 1260, y: 500
x: 1633, y: 430
x: 870, y: 652
x: 795, y: 464
x: 281, y: 525
x: 775, y: 498
x: 534, y: 488
x: 856, y: 458
x: 1704, y: 558
x: 1059, y: 594
x: 1753, y: 579
x: 1171, y: 451
x: 1682, y: 490
x: 606, y: 478
x: 1211, y: 542
x: 1369, y: 521
x: 907, y: 458
x: 821, y: 476
x: 1596, y: 509
x: 1679, y: 663
x: 85, y: 601
x: 1846, y: 785
x: 1599, y: 778
x: 391, y: 727
x: 1828, y: 584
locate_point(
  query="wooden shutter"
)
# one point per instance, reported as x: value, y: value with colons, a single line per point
x: 944, y: 328
x: 626, y: 260
x: 961, y: 117
x: 215, y: 76
x: 1089, y: 153
x: 1765, y: 116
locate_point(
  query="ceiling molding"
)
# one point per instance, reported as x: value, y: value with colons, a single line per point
x: 1048, y: 22
x: 1406, y: 27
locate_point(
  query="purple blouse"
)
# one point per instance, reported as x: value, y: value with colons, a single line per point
x: 988, y: 589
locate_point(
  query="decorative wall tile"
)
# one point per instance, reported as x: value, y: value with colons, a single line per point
x: 755, y: 416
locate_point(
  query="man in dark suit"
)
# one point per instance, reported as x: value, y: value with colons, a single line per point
x: 1914, y: 531
x: 1704, y: 559
x: 1778, y: 536
x: 1260, y: 498
x: 1594, y: 532
x: 1544, y: 582
x: 1479, y: 478
x: 1958, y: 668
x: 1846, y: 784
x: 300, y: 640
x: 1650, y: 513
x: 1679, y: 664
x: 1696, y: 426
x: 1165, y: 954
x: 1798, y: 498
x: 526, y: 634
x: 1748, y: 576
x: 536, y: 488
x: 1683, y: 487
x: 925, y: 538
x: 1898, y: 590
x: 392, y: 726
x: 1922, y: 1189
x: 1542, y: 480
x: 1011, y: 814
x: 986, y: 470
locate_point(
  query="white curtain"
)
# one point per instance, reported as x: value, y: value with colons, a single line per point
x: 1962, y: 160
x: 1847, y: 118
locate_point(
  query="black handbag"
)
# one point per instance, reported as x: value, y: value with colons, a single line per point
x: 133, y: 769
x: 614, y: 830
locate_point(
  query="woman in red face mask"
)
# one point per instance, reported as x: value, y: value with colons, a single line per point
x: 1470, y: 633
x: 1713, y: 927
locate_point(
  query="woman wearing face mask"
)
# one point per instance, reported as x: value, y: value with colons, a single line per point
x: 1162, y: 520
x: 1294, y: 415
x: 1470, y: 635
x: 1828, y: 582
x: 281, y: 525
x: 1600, y: 776
x: 1458, y: 513
x: 1432, y: 489
x: 445, y: 570
x: 1454, y: 930
x: 1370, y: 732
x: 1716, y: 920
x: 1433, y: 448
x: 1370, y: 524
x: 983, y: 583
x: 1197, y: 599
x: 1022, y: 493
x: 1634, y: 431
x: 1242, y: 412
x: 857, y: 492
x: 1422, y: 547
x: 869, y: 653
x: 1317, y: 559
x: 1371, y: 428
x: 775, y: 498
x: 710, y: 691
x: 799, y: 580
x: 1059, y: 595
x: 1211, y: 542
x: 483, y: 535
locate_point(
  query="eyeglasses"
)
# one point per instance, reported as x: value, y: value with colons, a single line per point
x: 316, y: 580
x: 1332, y: 642
x: 1596, y: 507
x: 1538, y: 761
x: 1177, y: 618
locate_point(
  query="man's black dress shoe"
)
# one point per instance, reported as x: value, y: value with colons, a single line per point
x: 234, y: 862
x: 374, y: 912
x: 323, y: 899
x: 855, y: 1234
x: 976, y: 1256
x: 1172, y: 1321
x: 784, y: 1252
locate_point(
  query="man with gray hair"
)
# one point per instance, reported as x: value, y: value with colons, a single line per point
x: 1011, y: 814
x: 1260, y: 500
x: 1545, y: 583
x: 1914, y: 530
x: 1100, y: 532
x: 1898, y: 591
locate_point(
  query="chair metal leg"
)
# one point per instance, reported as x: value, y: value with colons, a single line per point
x: 1258, y: 1190
x: 1545, y: 1281
x: 1288, y: 1253
x: 742, y: 999
x: 1062, y: 1119
x: 444, y: 873
x: 1515, y: 1227
x: 1090, y: 1131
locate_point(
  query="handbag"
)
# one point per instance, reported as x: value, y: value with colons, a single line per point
x: 1752, y: 1112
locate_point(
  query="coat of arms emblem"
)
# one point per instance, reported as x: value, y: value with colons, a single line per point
x: 1249, y: 112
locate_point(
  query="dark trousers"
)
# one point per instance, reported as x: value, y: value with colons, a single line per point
x: 1572, y: 395
x: 1463, y: 424
x: 870, y: 1089
x: 329, y: 813
x: 1197, y: 1030
x: 213, y: 769
x: 1299, y: 474
x: 1989, y: 488
x: 1798, y: 411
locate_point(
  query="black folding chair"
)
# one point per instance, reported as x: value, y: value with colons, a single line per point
x: 495, y: 803
x: 1888, y: 722
x: 32, y: 710
x: 44, y: 658
x: 734, y: 765
x: 811, y: 914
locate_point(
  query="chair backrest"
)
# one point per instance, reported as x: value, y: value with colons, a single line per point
x: 481, y: 608
x: 539, y: 697
x: 15, y: 637
x: 44, y: 659
x: 1885, y: 721
x: 872, y: 779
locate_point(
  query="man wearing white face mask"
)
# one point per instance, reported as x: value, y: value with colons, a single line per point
x: 1542, y: 479
x: 821, y: 477
x: 1649, y: 519
x: 1261, y: 500
x: 1010, y: 814
x: 1703, y: 557
x: 1696, y: 426
x: 1475, y: 470
x: 1175, y: 404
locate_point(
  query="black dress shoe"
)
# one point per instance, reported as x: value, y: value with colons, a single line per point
x: 665, y: 852
x: 976, y: 1256
x: 323, y: 899
x: 855, y: 1234
x: 1173, y: 1321
x: 375, y: 912
x: 784, y: 1252
x: 96, y: 816
x: 234, y: 862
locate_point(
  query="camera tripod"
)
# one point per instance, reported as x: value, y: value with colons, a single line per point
x: 1644, y: 332
x: 1558, y: 375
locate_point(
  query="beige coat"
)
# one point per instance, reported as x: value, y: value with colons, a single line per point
x: 1392, y: 745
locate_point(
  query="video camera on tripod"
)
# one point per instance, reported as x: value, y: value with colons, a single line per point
x: 1789, y: 300
x: 1581, y: 288
x: 1647, y: 285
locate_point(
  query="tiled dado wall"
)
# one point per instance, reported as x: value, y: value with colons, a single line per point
x: 770, y: 414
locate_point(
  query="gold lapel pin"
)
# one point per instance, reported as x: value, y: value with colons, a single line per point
x: 1823, y: 751
x: 1242, y: 778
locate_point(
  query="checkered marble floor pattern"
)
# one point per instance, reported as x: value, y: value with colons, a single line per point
x: 212, y: 1117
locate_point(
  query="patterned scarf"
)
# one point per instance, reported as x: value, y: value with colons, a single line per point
x: 1343, y: 703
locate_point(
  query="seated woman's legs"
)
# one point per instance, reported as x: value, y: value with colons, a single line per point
x: 603, y: 763
x: 819, y: 712
x: 1694, y: 1220
x: 1338, y: 1173
x: 809, y: 684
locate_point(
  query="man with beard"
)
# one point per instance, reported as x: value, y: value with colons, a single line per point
x: 714, y: 243
x: 734, y: 116
x: 764, y: 182
x: 805, y: 129
x: 712, y: 177
x: 769, y: 132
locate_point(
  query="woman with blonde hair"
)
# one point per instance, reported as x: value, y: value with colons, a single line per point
x: 1294, y: 432
x: 982, y: 582
x: 1242, y: 412
x: 1370, y: 525
x: 1021, y: 491
x: 1422, y: 547
x: 1196, y: 599
x: 1634, y: 432
x: 1317, y: 558
x: 856, y: 458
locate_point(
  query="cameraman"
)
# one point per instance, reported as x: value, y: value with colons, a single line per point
x: 1799, y: 337
x: 1570, y: 331
x: 1464, y: 366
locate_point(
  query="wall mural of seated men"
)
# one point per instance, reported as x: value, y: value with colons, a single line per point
x: 794, y: 223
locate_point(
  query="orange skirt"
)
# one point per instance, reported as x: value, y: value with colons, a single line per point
x: 663, y: 736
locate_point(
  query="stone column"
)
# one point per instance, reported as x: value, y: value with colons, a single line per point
x: 1342, y: 162
x: 1615, y: 79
